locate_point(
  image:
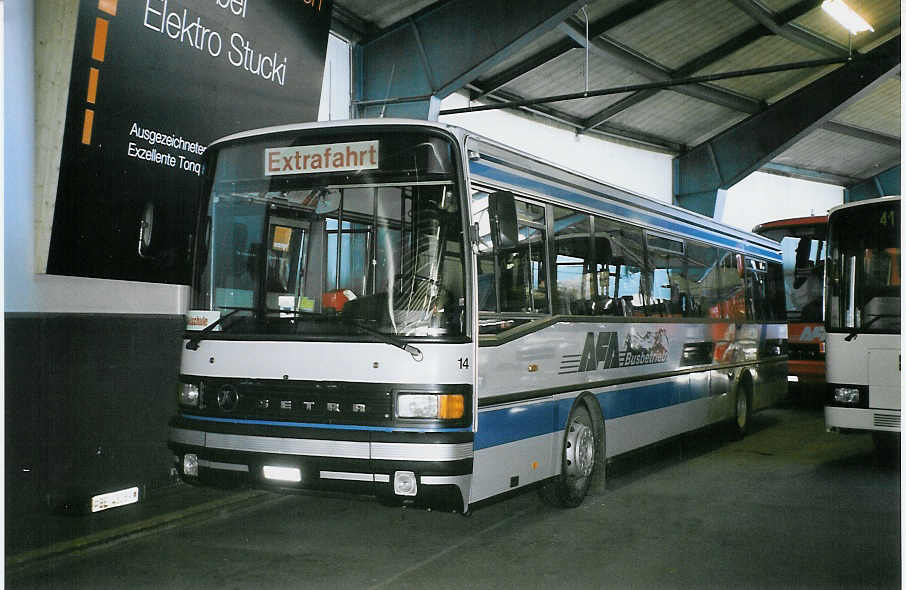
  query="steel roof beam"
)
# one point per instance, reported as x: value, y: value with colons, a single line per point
x: 712, y: 56
x: 446, y: 46
x: 880, y: 185
x: 638, y: 64
x: 599, y: 27
x: 862, y: 133
x: 621, y: 105
x: 807, y: 174
x: 721, y: 51
x: 525, y: 66
x: 610, y: 131
x: 788, y: 30
x: 724, y: 160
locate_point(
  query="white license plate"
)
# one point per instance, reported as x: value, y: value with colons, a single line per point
x: 114, y: 499
x: 283, y: 473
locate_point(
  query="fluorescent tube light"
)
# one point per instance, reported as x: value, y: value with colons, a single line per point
x: 846, y: 16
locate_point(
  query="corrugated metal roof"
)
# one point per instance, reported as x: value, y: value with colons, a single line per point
x: 767, y: 51
x: 879, y: 111
x: 656, y: 40
x: 665, y: 38
x: 826, y: 151
x: 679, y: 118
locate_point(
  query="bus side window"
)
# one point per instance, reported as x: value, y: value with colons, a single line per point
x: 512, y: 279
x: 702, y: 274
x: 732, y: 303
x: 620, y: 277
x: 523, y: 280
x: 776, y: 298
x: 759, y: 300
x: 574, y: 269
x: 487, y: 281
x: 666, y: 263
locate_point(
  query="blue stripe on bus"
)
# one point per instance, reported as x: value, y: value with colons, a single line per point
x: 324, y: 426
x: 497, y: 427
x: 640, y: 217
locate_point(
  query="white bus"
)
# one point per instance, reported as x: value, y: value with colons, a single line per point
x: 862, y: 319
x: 406, y: 310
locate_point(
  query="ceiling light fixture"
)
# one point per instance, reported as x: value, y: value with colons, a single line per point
x: 846, y: 16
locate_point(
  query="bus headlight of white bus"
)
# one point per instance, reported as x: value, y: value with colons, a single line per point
x: 847, y: 395
x: 430, y: 405
x: 189, y: 394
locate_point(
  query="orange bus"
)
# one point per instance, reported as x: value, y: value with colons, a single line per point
x: 804, y: 242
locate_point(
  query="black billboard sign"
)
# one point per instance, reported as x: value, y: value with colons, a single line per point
x: 153, y: 81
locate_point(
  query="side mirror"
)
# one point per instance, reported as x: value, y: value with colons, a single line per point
x: 502, y: 212
x: 145, y: 227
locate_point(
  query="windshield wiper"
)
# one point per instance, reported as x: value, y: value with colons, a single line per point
x: 852, y: 335
x: 192, y: 344
x: 356, y: 323
x: 386, y: 338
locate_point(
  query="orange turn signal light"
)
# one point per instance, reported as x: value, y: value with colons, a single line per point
x: 451, y: 407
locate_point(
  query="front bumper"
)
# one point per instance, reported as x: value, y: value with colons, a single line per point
x: 842, y: 418
x: 354, y: 460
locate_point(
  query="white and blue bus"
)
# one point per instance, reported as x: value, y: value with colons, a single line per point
x: 862, y: 320
x: 407, y: 310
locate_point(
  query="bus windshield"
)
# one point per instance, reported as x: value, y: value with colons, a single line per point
x: 863, y: 273
x: 339, y: 235
x: 804, y: 251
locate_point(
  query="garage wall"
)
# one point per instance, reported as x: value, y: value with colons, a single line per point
x: 90, y: 365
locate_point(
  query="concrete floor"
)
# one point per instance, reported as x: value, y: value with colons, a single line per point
x: 790, y: 507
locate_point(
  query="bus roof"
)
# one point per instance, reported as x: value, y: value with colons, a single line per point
x: 860, y: 203
x: 331, y: 125
x: 791, y: 222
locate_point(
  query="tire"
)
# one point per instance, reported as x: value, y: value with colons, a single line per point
x: 580, y: 446
x: 742, y: 415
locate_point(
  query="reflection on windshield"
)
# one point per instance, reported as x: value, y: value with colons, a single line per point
x: 335, y: 258
x: 863, y: 273
x: 803, y: 277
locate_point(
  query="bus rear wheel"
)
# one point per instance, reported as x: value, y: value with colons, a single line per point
x: 580, y: 446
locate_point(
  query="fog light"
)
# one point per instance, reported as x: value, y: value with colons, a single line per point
x: 293, y: 474
x: 792, y: 378
x: 404, y: 483
x: 190, y: 464
x: 189, y: 394
x: 846, y: 395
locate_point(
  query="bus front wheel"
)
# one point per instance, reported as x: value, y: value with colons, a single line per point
x: 580, y: 444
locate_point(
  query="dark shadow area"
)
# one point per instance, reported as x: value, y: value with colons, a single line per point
x: 635, y: 465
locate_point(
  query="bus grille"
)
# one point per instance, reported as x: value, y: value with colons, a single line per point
x: 321, y: 403
x: 887, y: 420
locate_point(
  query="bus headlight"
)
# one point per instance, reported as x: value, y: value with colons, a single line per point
x: 190, y: 464
x: 846, y: 395
x: 430, y: 405
x: 189, y: 394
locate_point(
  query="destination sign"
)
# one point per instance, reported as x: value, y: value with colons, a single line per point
x: 310, y: 159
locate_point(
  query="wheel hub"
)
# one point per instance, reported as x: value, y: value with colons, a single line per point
x: 741, y: 410
x: 580, y: 450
